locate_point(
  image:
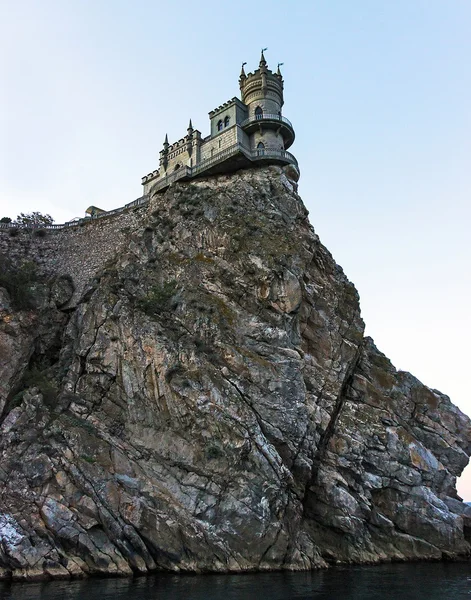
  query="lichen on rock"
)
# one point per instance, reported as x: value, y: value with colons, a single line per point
x: 215, y: 406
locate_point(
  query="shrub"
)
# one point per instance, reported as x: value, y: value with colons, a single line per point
x: 158, y: 299
x: 89, y: 459
x: 34, y: 218
x: 212, y: 452
x: 34, y: 377
x: 18, y: 281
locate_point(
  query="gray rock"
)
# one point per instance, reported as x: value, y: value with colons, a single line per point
x: 213, y: 405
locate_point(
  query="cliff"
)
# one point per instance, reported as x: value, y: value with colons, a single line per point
x: 208, y: 402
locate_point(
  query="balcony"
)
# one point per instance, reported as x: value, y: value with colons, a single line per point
x: 230, y: 159
x: 281, y: 156
x: 271, y: 121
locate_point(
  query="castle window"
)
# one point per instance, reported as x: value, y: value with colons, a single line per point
x: 226, y: 121
x: 258, y: 112
x: 220, y: 125
x: 260, y: 147
x: 177, y: 166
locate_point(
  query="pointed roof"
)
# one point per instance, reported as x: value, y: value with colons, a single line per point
x: 263, y: 62
x: 242, y: 71
x: 190, y: 126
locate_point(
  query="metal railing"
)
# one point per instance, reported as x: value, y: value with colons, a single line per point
x: 76, y: 222
x: 163, y: 182
x: 219, y: 157
x: 207, y: 162
x: 266, y: 117
x: 267, y: 153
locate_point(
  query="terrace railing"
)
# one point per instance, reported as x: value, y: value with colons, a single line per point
x: 74, y: 223
x: 182, y: 172
x: 267, y: 117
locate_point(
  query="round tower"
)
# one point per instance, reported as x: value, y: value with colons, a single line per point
x: 262, y: 93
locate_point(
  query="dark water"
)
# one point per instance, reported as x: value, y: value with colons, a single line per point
x: 440, y: 581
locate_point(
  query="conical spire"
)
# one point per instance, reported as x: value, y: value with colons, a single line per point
x: 278, y: 72
x: 242, y: 71
x: 190, y: 127
x: 263, y: 62
x: 166, y: 143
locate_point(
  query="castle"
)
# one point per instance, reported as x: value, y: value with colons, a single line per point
x: 243, y: 133
x: 246, y: 132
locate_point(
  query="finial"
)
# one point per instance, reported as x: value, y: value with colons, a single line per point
x: 263, y: 62
x: 190, y: 126
x: 166, y: 143
x: 242, y: 72
x: 278, y: 72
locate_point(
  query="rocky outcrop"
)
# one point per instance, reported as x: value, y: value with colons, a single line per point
x: 211, y: 404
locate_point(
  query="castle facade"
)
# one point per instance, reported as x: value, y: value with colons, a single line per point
x: 243, y: 133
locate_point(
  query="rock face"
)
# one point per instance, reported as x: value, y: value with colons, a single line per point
x: 211, y: 404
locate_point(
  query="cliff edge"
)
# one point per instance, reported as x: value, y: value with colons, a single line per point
x: 210, y: 403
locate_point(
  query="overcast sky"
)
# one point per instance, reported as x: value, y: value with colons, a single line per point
x: 379, y: 93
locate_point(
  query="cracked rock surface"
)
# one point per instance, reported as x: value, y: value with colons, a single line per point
x: 211, y: 404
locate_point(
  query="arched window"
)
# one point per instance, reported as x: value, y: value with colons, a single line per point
x: 226, y: 121
x: 177, y: 166
x: 260, y: 146
x: 220, y: 125
x: 258, y: 112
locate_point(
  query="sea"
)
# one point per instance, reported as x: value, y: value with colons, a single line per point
x: 412, y: 581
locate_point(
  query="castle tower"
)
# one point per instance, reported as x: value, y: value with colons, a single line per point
x: 262, y: 93
x: 243, y: 133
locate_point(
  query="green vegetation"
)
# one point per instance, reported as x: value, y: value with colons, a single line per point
x: 212, y: 452
x: 33, y: 219
x: 159, y: 299
x: 34, y: 377
x: 19, y: 282
x: 89, y: 459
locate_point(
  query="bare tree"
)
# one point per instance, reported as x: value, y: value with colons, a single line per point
x: 33, y: 219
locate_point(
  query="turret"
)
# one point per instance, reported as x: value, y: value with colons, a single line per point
x: 262, y: 93
x: 262, y: 89
x: 164, y: 154
x: 189, y: 139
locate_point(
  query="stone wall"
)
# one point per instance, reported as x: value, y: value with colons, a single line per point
x: 271, y: 139
x: 220, y: 142
x: 80, y: 252
x: 269, y: 103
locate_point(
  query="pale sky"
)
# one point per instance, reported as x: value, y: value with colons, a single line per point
x: 379, y: 93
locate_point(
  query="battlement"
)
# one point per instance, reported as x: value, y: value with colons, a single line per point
x: 225, y: 106
x: 244, y: 133
x: 253, y: 126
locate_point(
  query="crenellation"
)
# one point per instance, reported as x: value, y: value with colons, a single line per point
x: 253, y: 127
x: 244, y: 132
